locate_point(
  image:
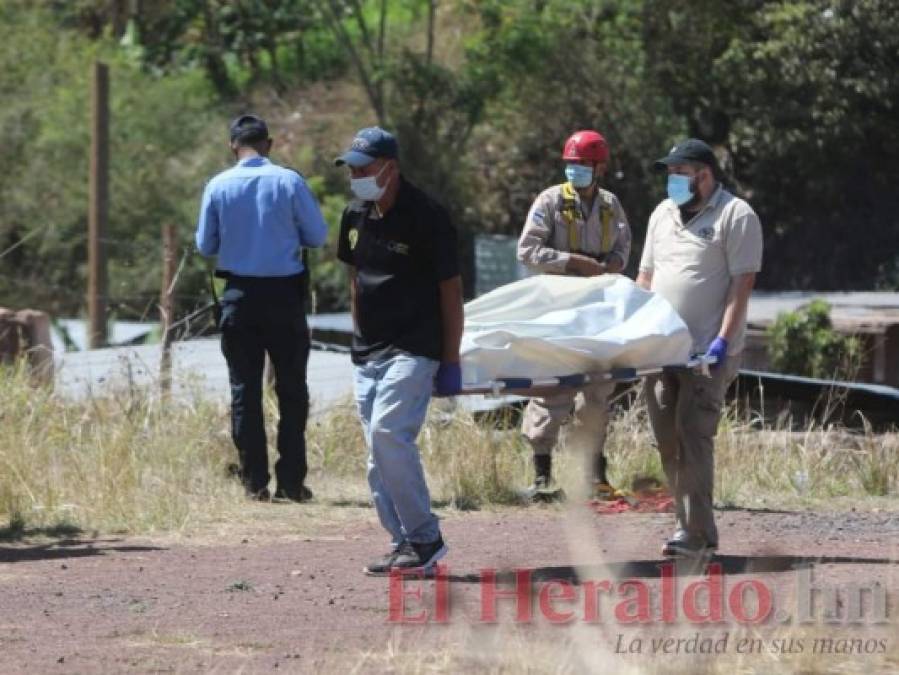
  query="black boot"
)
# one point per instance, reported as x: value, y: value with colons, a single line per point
x: 600, y: 464
x: 601, y: 488
x: 543, y: 470
x: 542, y: 490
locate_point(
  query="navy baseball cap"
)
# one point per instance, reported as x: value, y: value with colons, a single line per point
x: 690, y: 150
x: 249, y: 129
x: 368, y: 145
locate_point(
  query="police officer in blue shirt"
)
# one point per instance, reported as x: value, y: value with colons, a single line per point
x: 257, y: 217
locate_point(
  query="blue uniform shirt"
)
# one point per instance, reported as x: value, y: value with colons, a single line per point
x: 256, y: 217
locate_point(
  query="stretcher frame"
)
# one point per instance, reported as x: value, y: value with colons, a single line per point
x: 546, y: 386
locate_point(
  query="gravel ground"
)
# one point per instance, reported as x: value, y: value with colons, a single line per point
x: 300, y: 603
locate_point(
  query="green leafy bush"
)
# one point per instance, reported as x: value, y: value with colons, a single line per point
x: 804, y: 343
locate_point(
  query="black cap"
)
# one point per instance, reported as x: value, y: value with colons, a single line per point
x: 249, y: 129
x: 690, y: 150
x: 368, y: 145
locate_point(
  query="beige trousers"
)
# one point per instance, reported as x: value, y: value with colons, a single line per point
x: 684, y: 409
x: 544, y: 417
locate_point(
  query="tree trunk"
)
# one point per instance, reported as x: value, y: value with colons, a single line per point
x: 272, y: 49
x: 432, y: 17
x: 301, y: 54
x: 371, y: 81
x: 215, y: 66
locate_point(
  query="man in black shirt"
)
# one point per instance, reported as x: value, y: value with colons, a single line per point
x: 406, y: 298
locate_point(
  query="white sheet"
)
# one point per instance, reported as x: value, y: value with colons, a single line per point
x: 550, y: 325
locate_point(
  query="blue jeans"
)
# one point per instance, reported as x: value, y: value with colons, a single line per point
x: 392, y: 395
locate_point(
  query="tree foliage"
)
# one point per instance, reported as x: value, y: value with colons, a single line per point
x: 816, y: 134
x: 158, y: 136
x: 804, y: 343
x: 798, y: 98
x: 563, y: 67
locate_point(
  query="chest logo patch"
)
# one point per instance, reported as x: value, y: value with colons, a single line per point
x: 353, y: 236
x: 398, y: 247
x: 706, y: 233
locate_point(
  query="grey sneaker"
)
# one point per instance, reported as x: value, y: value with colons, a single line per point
x: 543, y: 491
x: 382, y: 565
x: 684, y: 545
x: 420, y: 556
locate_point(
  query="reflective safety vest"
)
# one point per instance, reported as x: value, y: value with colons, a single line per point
x: 571, y: 214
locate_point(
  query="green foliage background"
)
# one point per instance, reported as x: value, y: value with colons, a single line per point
x: 804, y: 343
x: 799, y: 98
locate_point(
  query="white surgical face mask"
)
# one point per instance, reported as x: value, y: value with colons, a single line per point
x: 367, y: 188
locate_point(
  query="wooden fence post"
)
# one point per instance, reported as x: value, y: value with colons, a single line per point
x: 167, y: 306
x: 98, y: 209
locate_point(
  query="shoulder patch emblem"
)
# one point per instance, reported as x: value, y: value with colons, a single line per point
x: 353, y: 236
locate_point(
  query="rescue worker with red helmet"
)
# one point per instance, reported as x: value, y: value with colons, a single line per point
x: 575, y: 228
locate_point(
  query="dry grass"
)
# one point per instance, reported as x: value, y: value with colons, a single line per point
x: 768, y: 467
x: 134, y: 463
x: 131, y: 462
x: 503, y: 649
x: 126, y: 462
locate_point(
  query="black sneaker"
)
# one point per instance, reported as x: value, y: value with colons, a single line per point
x: 419, y: 556
x: 299, y: 495
x: 684, y: 545
x: 382, y: 565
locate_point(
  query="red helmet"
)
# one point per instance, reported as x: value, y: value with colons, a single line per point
x: 588, y: 145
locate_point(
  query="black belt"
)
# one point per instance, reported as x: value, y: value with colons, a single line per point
x: 225, y: 274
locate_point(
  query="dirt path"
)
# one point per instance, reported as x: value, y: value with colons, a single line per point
x: 301, y: 603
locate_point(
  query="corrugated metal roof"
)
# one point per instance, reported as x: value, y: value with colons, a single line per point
x: 120, y: 332
x: 198, y: 368
x: 869, y: 307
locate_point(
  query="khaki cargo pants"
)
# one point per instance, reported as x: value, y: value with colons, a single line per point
x: 684, y: 409
x: 544, y: 417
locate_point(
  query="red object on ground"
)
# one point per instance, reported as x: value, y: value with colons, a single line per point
x: 649, y: 502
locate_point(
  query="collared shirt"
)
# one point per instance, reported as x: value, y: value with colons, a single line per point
x: 547, y: 239
x: 692, y: 264
x: 256, y: 217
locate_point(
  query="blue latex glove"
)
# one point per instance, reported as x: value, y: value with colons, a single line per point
x: 718, y: 349
x: 448, y: 380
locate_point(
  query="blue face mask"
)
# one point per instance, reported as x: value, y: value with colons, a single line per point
x: 679, y: 189
x: 578, y: 175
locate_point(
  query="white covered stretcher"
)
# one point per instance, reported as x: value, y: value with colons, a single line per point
x: 552, y: 331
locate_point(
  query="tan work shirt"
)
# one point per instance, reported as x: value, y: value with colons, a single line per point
x: 548, y: 237
x: 692, y: 263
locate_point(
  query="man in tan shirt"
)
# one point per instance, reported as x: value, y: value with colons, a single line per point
x: 703, y: 249
x: 574, y: 228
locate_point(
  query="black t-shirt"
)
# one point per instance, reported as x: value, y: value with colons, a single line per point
x: 400, y: 260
